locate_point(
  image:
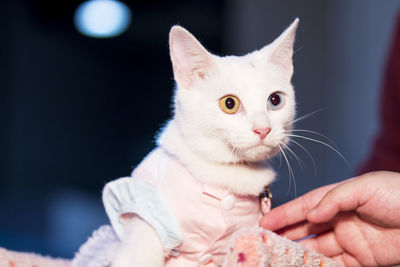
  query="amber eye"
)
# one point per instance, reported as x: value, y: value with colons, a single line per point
x: 229, y: 104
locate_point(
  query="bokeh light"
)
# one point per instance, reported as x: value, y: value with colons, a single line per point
x: 102, y: 18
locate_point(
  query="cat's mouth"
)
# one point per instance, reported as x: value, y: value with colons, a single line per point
x: 258, y: 152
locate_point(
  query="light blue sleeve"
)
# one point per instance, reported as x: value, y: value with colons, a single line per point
x: 127, y: 195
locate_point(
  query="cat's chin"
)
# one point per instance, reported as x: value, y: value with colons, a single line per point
x: 258, y: 153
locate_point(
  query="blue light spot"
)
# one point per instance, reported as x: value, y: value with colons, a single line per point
x: 102, y: 18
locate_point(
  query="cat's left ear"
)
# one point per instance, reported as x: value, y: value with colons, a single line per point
x: 190, y: 60
x: 282, y: 48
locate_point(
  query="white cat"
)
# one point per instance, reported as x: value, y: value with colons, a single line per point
x: 202, y: 183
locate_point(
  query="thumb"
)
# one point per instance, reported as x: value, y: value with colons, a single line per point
x: 347, y: 196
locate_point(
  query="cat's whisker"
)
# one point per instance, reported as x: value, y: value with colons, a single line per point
x: 305, y: 116
x: 237, y: 162
x: 235, y: 154
x: 308, y: 153
x: 295, y: 156
x: 320, y: 142
x: 280, y: 161
x: 290, y: 170
x: 232, y: 156
x: 241, y: 156
x: 312, y: 132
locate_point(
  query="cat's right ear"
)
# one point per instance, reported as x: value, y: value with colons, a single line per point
x: 190, y: 60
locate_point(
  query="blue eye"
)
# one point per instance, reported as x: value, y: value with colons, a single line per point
x: 275, y: 101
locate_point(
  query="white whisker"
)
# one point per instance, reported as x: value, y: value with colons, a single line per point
x: 308, y: 153
x: 320, y: 142
x: 237, y: 161
x: 305, y: 116
x: 237, y: 156
x: 312, y: 132
x: 232, y: 155
x: 294, y: 154
x: 290, y: 170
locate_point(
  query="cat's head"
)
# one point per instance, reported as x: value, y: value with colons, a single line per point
x: 233, y: 109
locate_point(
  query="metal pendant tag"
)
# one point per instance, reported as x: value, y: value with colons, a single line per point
x: 266, y: 200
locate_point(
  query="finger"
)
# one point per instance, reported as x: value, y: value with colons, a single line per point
x: 304, y: 229
x: 345, y: 197
x: 287, y: 214
x: 346, y: 260
x: 325, y: 244
x: 294, y: 211
x: 338, y: 259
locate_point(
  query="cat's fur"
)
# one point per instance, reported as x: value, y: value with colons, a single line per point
x: 211, y: 143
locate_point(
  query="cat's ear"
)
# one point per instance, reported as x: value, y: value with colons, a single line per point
x: 282, y: 48
x: 190, y: 60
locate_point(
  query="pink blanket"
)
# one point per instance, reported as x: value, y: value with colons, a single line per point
x: 249, y: 247
x: 19, y: 259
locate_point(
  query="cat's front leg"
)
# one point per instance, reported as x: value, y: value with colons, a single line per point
x: 140, y: 247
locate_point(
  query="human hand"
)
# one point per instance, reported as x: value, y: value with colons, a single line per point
x: 355, y: 222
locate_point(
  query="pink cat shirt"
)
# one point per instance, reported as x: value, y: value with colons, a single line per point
x: 193, y: 220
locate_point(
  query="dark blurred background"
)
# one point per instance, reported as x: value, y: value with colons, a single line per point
x: 77, y: 112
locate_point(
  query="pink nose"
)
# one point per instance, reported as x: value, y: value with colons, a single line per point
x: 262, y: 132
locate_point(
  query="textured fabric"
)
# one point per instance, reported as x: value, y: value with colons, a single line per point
x: 98, y: 250
x: 249, y: 247
x: 207, y: 216
x: 19, y: 259
x: 257, y: 247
